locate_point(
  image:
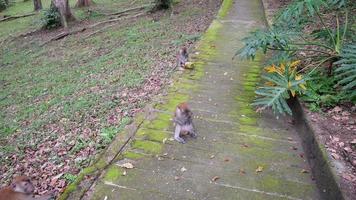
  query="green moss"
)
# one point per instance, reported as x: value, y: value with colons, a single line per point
x: 113, y: 173
x: 247, y: 111
x: 153, y: 135
x: 226, y: 5
x: 147, y: 146
x: 173, y: 100
x: 250, y: 129
x: 132, y: 155
x: 89, y: 170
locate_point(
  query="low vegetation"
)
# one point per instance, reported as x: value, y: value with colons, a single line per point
x: 320, y: 35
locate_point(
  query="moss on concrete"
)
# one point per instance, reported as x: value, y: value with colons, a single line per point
x: 113, y: 173
x: 152, y: 135
x: 226, y: 5
x: 148, y: 147
x: 132, y: 155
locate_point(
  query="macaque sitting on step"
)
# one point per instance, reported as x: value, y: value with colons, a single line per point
x: 183, y: 119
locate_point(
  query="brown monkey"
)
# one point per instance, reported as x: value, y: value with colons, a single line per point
x: 21, y: 188
x: 183, y: 119
x: 182, y: 57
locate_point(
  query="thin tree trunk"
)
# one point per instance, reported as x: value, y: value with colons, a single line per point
x: 37, y: 4
x: 84, y: 3
x: 64, y: 11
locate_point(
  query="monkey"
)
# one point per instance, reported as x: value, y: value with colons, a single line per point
x: 21, y: 188
x: 182, y: 58
x: 183, y: 119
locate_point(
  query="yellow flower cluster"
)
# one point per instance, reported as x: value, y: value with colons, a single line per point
x: 281, y: 69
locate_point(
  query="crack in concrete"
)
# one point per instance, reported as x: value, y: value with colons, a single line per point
x: 258, y: 191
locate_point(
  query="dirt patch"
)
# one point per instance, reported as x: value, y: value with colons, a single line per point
x: 338, y: 131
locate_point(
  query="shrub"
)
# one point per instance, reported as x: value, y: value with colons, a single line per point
x: 281, y: 83
x: 3, y: 5
x: 325, y: 45
x: 51, y: 18
x: 163, y: 4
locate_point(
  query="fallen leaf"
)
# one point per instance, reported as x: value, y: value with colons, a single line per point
x: 242, y: 172
x: 127, y: 165
x: 348, y: 149
x: 164, y: 140
x: 335, y: 156
x: 225, y: 73
x: 212, y: 156
x: 304, y: 171
x: 226, y: 159
x: 183, y: 169
x: 353, y: 142
x: 215, y: 178
x: 259, y: 169
x: 294, y: 148
x: 245, y: 145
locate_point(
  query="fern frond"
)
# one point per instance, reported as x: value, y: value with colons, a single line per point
x: 347, y: 70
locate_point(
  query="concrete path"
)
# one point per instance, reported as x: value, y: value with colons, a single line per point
x: 238, y: 155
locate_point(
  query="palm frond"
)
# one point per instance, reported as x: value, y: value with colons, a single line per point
x: 274, y: 38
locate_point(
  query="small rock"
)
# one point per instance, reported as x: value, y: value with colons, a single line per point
x: 183, y: 169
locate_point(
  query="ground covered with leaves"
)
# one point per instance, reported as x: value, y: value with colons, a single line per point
x: 63, y: 101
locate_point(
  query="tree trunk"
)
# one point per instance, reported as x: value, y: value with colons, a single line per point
x: 64, y: 11
x: 37, y: 4
x: 83, y: 3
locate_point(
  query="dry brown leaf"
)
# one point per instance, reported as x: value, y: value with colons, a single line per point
x: 127, y: 165
x: 335, y: 156
x: 215, y: 178
x: 226, y: 159
x: 242, y: 172
x: 259, y: 169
